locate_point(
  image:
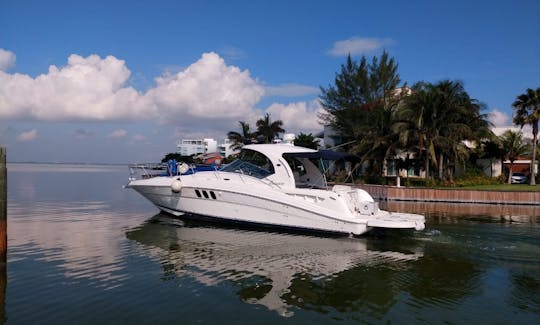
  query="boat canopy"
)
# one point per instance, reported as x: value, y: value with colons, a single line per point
x: 322, y: 154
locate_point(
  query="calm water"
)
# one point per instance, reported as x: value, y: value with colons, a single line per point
x: 84, y: 250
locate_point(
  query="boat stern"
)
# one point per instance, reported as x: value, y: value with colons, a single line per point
x: 397, y: 220
x: 363, y: 207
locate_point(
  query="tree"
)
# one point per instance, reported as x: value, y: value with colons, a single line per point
x: 417, y: 124
x: 359, y: 89
x: 306, y: 140
x: 464, y: 122
x: 492, y: 149
x: 513, y: 147
x: 268, y: 130
x: 178, y: 157
x: 436, y: 119
x: 361, y: 105
x: 527, y: 112
x: 240, y: 139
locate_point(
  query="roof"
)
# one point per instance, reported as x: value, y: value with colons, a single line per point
x: 285, y: 150
x: 278, y: 148
x: 322, y: 154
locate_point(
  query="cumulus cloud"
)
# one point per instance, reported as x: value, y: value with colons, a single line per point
x: 7, y: 59
x: 297, y: 117
x: 116, y: 134
x: 499, y: 118
x: 207, y: 89
x: 291, y: 90
x: 358, y: 45
x: 207, y: 97
x: 503, y: 122
x: 95, y: 89
x: 88, y: 88
x: 27, y: 136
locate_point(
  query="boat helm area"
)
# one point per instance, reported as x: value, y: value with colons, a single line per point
x: 307, y: 170
x: 251, y: 163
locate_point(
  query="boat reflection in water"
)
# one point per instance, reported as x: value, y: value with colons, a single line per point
x: 263, y: 264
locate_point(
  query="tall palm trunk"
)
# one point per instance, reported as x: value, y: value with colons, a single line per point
x: 426, y: 167
x: 510, y: 172
x: 441, y: 167
x: 527, y: 107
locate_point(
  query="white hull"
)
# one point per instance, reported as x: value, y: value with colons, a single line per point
x: 273, y: 185
x: 241, y: 198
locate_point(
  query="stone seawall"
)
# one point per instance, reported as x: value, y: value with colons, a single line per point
x: 393, y: 193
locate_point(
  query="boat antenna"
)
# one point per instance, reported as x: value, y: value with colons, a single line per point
x: 341, y: 145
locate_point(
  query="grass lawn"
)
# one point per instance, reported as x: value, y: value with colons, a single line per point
x: 499, y: 187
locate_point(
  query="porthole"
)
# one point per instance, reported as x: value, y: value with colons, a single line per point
x: 205, y: 194
x: 213, y: 195
x: 198, y: 193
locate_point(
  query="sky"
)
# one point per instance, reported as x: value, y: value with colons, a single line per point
x: 124, y: 81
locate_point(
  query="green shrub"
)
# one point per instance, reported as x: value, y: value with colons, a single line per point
x: 375, y: 179
x: 502, y: 179
x: 414, y: 182
x: 472, y: 180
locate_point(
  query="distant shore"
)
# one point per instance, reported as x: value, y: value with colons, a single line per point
x: 66, y: 163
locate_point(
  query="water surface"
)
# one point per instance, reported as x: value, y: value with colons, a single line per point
x: 84, y: 250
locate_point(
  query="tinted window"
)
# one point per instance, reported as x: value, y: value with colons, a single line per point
x: 251, y: 163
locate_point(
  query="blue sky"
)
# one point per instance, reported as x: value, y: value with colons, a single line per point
x: 123, y: 81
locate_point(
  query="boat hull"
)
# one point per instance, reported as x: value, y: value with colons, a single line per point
x: 277, y: 210
x: 237, y: 198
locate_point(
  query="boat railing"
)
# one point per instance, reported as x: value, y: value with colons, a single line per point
x: 146, y: 170
x: 150, y: 170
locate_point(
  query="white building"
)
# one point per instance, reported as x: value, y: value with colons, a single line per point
x: 225, y: 149
x: 189, y: 147
x: 195, y: 147
x: 288, y: 138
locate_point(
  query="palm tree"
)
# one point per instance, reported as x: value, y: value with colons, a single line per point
x: 492, y: 149
x: 269, y: 130
x: 306, y: 140
x: 513, y: 147
x: 416, y: 125
x: 375, y: 140
x: 435, y: 120
x: 463, y: 122
x: 527, y: 112
x: 239, y: 139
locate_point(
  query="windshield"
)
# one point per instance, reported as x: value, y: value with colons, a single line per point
x: 251, y: 163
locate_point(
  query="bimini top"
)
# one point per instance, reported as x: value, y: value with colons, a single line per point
x: 277, y: 149
x: 323, y: 154
x: 285, y: 150
x: 279, y: 156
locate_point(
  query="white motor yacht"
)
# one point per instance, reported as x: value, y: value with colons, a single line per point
x: 273, y: 185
